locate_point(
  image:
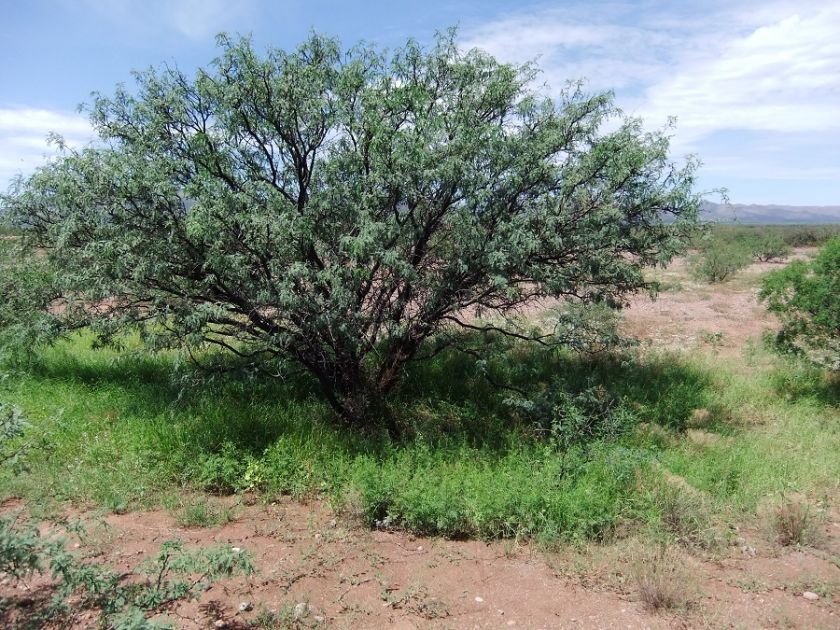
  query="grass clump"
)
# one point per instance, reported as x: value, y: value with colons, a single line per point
x: 793, y: 522
x: 661, y: 581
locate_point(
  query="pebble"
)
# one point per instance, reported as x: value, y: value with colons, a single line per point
x: 479, y: 599
x: 220, y: 623
x: 236, y: 549
x: 245, y: 606
x: 810, y: 596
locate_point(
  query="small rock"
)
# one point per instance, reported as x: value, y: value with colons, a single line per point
x: 319, y: 619
x: 236, y: 549
x: 420, y: 548
x: 479, y: 599
x: 245, y: 606
x: 220, y: 623
x: 76, y: 546
x: 810, y: 596
x: 301, y: 610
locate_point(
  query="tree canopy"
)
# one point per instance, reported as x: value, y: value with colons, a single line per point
x: 346, y: 212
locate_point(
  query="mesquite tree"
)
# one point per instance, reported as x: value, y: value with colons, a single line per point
x: 347, y: 212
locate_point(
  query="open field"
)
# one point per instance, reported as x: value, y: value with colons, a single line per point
x: 703, y: 452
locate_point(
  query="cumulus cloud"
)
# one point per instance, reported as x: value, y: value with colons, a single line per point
x: 770, y: 69
x: 754, y: 87
x: 780, y: 77
x: 24, y: 132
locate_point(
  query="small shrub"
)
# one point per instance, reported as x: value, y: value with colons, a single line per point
x: 219, y: 473
x: 720, y: 261
x: 661, y: 582
x: 770, y: 248
x: 685, y: 515
x: 122, y: 600
x: 806, y: 297
x: 793, y: 522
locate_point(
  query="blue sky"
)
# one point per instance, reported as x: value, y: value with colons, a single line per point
x: 755, y: 86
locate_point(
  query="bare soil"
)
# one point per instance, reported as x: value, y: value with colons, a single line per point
x: 348, y: 577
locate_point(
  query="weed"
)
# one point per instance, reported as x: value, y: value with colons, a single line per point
x: 793, y: 522
x: 685, y: 515
x: 202, y: 513
x: 661, y: 582
x: 122, y: 600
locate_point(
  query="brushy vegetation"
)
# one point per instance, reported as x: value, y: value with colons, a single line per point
x: 720, y: 260
x: 789, y: 235
x: 341, y: 213
x: 590, y: 451
x: 806, y: 296
x: 123, y: 601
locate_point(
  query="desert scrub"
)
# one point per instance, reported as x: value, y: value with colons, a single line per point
x: 770, y: 248
x: 564, y: 462
x: 806, y: 297
x: 720, y: 261
x: 122, y: 600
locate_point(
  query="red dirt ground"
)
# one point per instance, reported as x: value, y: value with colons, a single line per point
x: 355, y: 578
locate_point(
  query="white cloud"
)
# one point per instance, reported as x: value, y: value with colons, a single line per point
x: 773, y: 69
x: 726, y: 70
x: 780, y: 77
x: 23, y: 137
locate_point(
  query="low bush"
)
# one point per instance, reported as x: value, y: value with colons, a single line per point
x: 806, y: 297
x: 720, y: 261
x: 793, y: 522
x: 770, y: 248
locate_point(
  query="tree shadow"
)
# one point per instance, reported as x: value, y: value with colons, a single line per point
x: 797, y: 379
x: 454, y: 397
x: 477, y: 399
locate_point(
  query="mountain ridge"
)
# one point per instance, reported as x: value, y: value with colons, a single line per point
x: 781, y: 214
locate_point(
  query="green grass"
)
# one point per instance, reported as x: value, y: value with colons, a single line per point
x: 591, y: 450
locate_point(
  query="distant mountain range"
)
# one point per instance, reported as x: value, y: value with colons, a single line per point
x: 769, y: 214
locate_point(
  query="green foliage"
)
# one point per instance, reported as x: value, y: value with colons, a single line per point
x: 341, y: 212
x: 719, y: 261
x: 809, y: 235
x: 124, y: 601
x: 770, y: 248
x: 806, y: 296
x: 473, y: 460
x: 176, y: 573
x: 12, y: 428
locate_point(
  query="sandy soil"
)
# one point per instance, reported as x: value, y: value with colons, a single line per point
x: 688, y: 314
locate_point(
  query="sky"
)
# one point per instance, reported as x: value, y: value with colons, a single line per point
x: 754, y: 86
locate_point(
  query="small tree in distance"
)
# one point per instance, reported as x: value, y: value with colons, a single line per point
x: 347, y: 212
